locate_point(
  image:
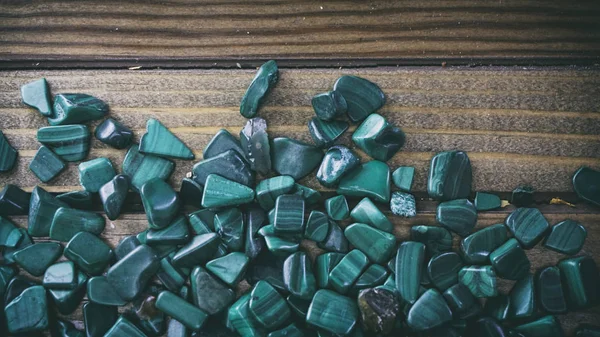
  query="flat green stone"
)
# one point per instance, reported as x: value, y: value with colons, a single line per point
x: 337, y: 162
x: 522, y: 196
x: 403, y: 204
x: 101, y: 292
x: 566, y: 237
x: 9, y: 252
x: 289, y: 214
x: 78, y: 199
x: 510, y: 261
x: 46, y: 165
x: 208, y: 293
x: 13, y: 201
x: 459, y: 216
x: 281, y: 247
x: 142, y: 167
x: 36, y: 258
x: 229, y: 268
x: 265, y: 79
x: 324, y: 264
x: 378, y: 138
x: 403, y: 178
x: 586, y: 183
x: 443, y: 270
x: 42, y: 207
x: 317, y: 226
x: 76, y: 109
x: 198, y: 251
x: 543, y: 327
x: 498, y: 307
x: 89, y: 253
x: 60, y: 275
x: 36, y: 94
x: 99, y: 319
x: 378, y: 309
x: 174, y: 234
x: 132, y: 273
x: 429, y: 311
x: 126, y: 245
x: 289, y: 331
x: 8, y: 154
x: 377, y: 245
x: 181, y: 310
x: 171, y: 277
x: 580, y: 280
x: 190, y: 192
x: 68, y: 221
x: 373, y: 276
x: 66, y: 301
x: 294, y: 158
x: 450, y: 176
x: 587, y: 330
x: 69, y: 142
x: 362, y: 96
x: 298, y: 306
x: 329, y: 105
x: 435, y: 238
x: 409, y: 263
x: 366, y: 212
x: 113, y: 195
x: 298, y: 276
x: 123, y: 328
x: 487, y: 201
x: 229, y: 224
x: 269, y: 189
x: 347, y: 271
x: 487, y: 327
x: 527, y: 225
x: 161, y: 203
x: 267, y: 306
x: 242, y: 320
x: 28, y: 312
x: 309, y: 195
x: 159, y: 141
x: 371, y: 179
x: 256, y: 146
x: 332, y: 312
x: 550, y: 294
x: 229, y: 164
x: 325, y: 133
x: 95, y: 173
x: 462, y: 302
x: 10, y: 235
x: 113, y: 133
x: 477, y: 247
x: 221, y: 192
x: 221, y: 142
x: 481, y: 280
x: 67, y: 329
x: 336, y: 240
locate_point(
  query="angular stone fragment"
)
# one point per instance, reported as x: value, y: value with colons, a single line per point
x: 269, y: 189
x: 229, y: 164
x: 126, y: 245
x: 338, y: 161
x: 289, y: 215
x: 113, y: 133
x: 332, y: 312
x: 409, y: 262
x: 142, y: 167
x: 60, y: 275
x: 221, y: 192
x: 176, y: 233
x: 298, y: 276
x: 376, y: 244
x: 229, y: 268
x: 523, y: 298
x: 435, y: 238
x: 378, y: 309
x: 324, y: 264
x: 336, y: 240
x: 580, y: 278
x: 477, y: 247
x: 324, y: 133
x: 8, y: 154
x: 347, y: 271
x: 28, y: 312
x: 450, y: 176
x: 459, y: 216
x: 378, y: 138
x: 13, y: 201
x: 181, y: 310
x: 89, y: 253
x: 294, y: 158
x: 76, y: 109
x: 317, y: 226
x: 362, y: 96
x: 190, y: 192
x: 256, y: 146
x: 522, y: 196
x: 371, y: 179
x: 403, y: 178
x: 161, y: 203
x: 403, y: 204
x: 10, y: 236
x: 159, y: 141
x: 527, y: 225
x: 9, y: 252
x: 481, y: 280
x: 101, y: 292
x: 68, y: 221
x: 113, y: 195
x: 95, y: 173
x: 265, y: 79
x: 309, y: 195
x: 443, y: 270
x: 69, y: 142
x: 366, y: 212
x: 486, y: 201
x: 198, y: 251
x: 36, y: 94
x: 46, y: 165
x: 36, y: 258
x: 429, y: 311
x: 130, y: 275
x: 208, y: 293
x: 221, y: 142
x: 241, y: 319
x: 42, y: 207
x: 329, y: 105
x: 551, y: 296
x: 337, y: 208
x: 566, y: 237
x: 373, y: 276
x: 510, y: 261
x: 267, y: 306
x: 586, y: 183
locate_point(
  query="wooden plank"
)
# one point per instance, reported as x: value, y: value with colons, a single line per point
x: 186, y: 33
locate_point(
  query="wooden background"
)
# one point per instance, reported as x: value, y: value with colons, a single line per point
x: 514, y: 83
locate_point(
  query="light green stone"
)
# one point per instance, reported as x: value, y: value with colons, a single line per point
x: 366, y: 212
x: 332, y: 312
x: 70, y: 142
x: 324, y: 264
x: 76, y: 109
x: 159, y: 141
x: 376, y: 244
x: 221, y: 192
x: 267, y: 306
x: 378, y: 138
x: 36, y: 94
x: 298, y: 276
x: 317, y: 226
x: 36, y: 258
x: 324, y: 133
x: 181, y: 310
x: 95, y: 173
x: 46, y: 165
x: 28, y: 312
x: 481, y: 280
x: 269, y: 189
x: 403, y: 204
x: 403, y: 178
x: 229, y: 268
x: 347, y: 271
x: 487, y: 201
x: 409, y: 263
x: 143, y: 167
x: 371, y: 180
x: 265, y: 79
x: 337, y: 208
x: 68, y: 221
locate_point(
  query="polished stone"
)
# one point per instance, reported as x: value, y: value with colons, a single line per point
x: 67, y: 301
x: 337, y: 208
x: 76, y: 109
x: 429, y: 311
x: 132, y: 273
x: 181, y: 310
x: 101, y: 292
x: 550, y: 294
x: 42, y: 207
x: 209, y: 293
x: 362, y: 96
x: 498, y: 307
x: 375, y: 275
x: 289, y: 215
x: 366, y: 212
x: 435, y: 238
x: 46, y: 165
x: 202, y: 221
x: 325, y: 133
x: 522, y: 196
x: 335, y: 241
x: 332, y: 312
x: 160, y: 141
x: 580, y: 277
x: 378, y: 310
x: 145, y: 315
x: 462, y: 302
x: 89, y: 253
x: 241, y: 319
x: 176, y: 233
x: 124, y: 327
x: 256, y: 146
x: 337, y: 162
x: 586, y: 183
x: 566, y: 237
x: 68, y: 221
x: 254, y: 218
x: 113, y: 133
x: 377, y: 245
x: 36, y: 258
x: 409, y: 263
x: 229, y: 225
x: 69, y: 142
x: 13, y: 201
x: 161, y: 203
x: 265, y: 79
x: 141, y: 167
x: 95, y: 173
x: 294, y: 158
x: 126, y: 245
x: 281, y: 247
x: 10, y: 235
x: 543, y: 327
x: 98, y: 319
x: 190, y: 192
x: 60, y: 275
x: 221, y: 142
x: 459, y: 216
x: 527, y: 225
x: 510, y: 261
x: 310, y: 196
x: 8, y: 154
x: 229, y: 268
x: 176, y: 329
x: 269, y: 189
x: 378, y: 138
x: 324, y: 264
x: 298, y: 306
x: 28, y: 312
x: 522, y: 298
x: 36, y: 94
x: 267, y: 306
x: 348, y: 270
x: 477, y: 247
x: 9, y: 252
x: 198, y: 251
x: 317, y: 226
x: 83, y: 199
x: 481, y: 280
x: 298, y: 276
x: 371, y: 179
x: 443, y: 270
x: 403, y: 204
x: 289, y: 331
x: 486, y: 201
x: 329, y: 105
x: 450, y: 176
x: 221, y: 192
x: 403, y: 178
x: 229, y: 164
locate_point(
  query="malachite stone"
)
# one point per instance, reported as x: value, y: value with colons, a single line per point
x: 42, y: 206
x: 586, y: 183
x: 267, y: 306
x: 265, y: 79
x: 324, y: 133
x: 101, y: 292
x: 46, y: 165
x: 208, y: 293
x: 171, y: 277
x: 68, y: 221
x: 477, y: 247
x: 371, y: 179
x: 289, y: 214
x: 363, y: 97
x: 10, y: 236
x: 487, y: 327
x: 229, y: 224
x: 403, y: 204
x: 269, y: 189
x: 99, y: 319
x: 76, y: 109
x: 60, y: 275
x: 337, y: 208
x: 459, y: 216
x: 462, y: 302
x: 36, y: 258
x: 566, y: 237
x: 190, y: 192
x: 229, y: 164
x: 132, y: 273
x: 403, y: 178
x: 550, y: 294
x: 229, y: 268
x: 78, y: 199
x: 498, y: 307
x: 159, y: 141
x: 36, y: 94
x: 9, y: 252
x: 527, y: 225
x: 221, y: 142
x: 7, y: 276
x: 198, y: 251
x: 338, y: 161
x: 580, y: 278
x: 289, y: 331
x: 298, y: 276
x: 161, y: 203
x: 481, y: 280
x: 309, y: 195
x: 254, y: 218
x: 242, y: 321
x: 487, y: 201
x: 329, y: 105
x: 176, y: 233
x: 409, y: 263
x: 443, y: 270
x: 202, y: 221
x: 377, y: 245
x: 373, y: 276
x: 298, y: 306
x: 113, y: 195
x: 221, y: 192
x: 522, y: 196
x: 348, y: 270
x: 95, y: 173
x: 126, y: 245
x: 317, y: 226
x: 13, y: 201
x: 8, y: 154
x: 324, y: 264
x: 268, y: 230
x: 545, y: 326
x: 113, y: 133
x: 436, y: 239
x: 181, y: 310
x: 124, y: 327
x: 89, y: 253
x: 141, y: 167
x: 587, y: 330
x: 333, y: 312
x: 294, y: 158
x: 366, y: 212
x: 256, y: 146
x: 510, y: 261
x: 28, y: 312
x: 450, y: 176
x: 378, y: 138
x: 378, y: 309
x: 281, y: 247
x: 69, y: 142
x: 390, y: 284
x: 429, y: 311
x: 336, y: 240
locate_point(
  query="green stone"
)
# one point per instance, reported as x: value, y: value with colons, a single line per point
x: 256, y: 146
x: 229, y: 224
x: 161, y: 203
x: 6, y: 275
x: 176, y: 233
x: 46, y: 165
x: 11, y: 284
x: 221, y: 192
x: 409, y: 261
x: 60, y: 275
x: 378, y: 309
x: 221, y: 142
x: 28, y: 312
x: 13, y: 201
x: 510, y: 261
x: 132, y: 273
x: 325, y: 133
x: 443, y: 270
x: 429, y: 311
x: 377, y: 245
x: 68, y: 221
x: 176, y: 329
x: 161, y: 142
x: 254, y: 218
x: 242, y: 320
x: 89, y: 253
x: 171, y: 277
x: 551, y: 296
x: 36, y: 94
x: 267, y: 306
x: 371, y: 179
x: 123, y: 327
x: 403, y: 204
x: 69, y: 142
x: 78, y: 199
x: 67, y: 301
x: 332, y: 312
x: 289, y: 215
x: 477, y: 247
x: 181, y: 310
x: 459, y: 216
x: 10, y: 236
x: 294, y: 158
x: 487, y: 201
x: 142, y: 167
x: 208, y: 293
x: 366, y: 212
x: 329, y: 105
x: 403, y: 178
x: 76, y: 109
x: 202, y: 221
x: 375, y: 275
x: 101, y: 292
x: 450, y: 176
x: 298, y: 306
x: 336, y: 240
x: 390, y: 284
x: 347, y: 271
x: 99, y: 319
x: 586, y: 183
x: 481, y: 280
x: 229, y: 164
x: 337, y: 162
x: 95, y: 173
x: 566, y: 237
x: 462, y: 302
x: 498, y: 307
x: 198, y: 251
x: 289, y: 331
x: 587, y: 330
x: 543, y: 327
x: 265, y: 79
x: 9, y: 252
x: 113, y: 133
x: 190, y: 192
x: 317, y: 226
x: 269, y: 189
x: 126, y: 245
x: 435, y: 238
x: 8, y: 154
x: 281, y: 247
x: 298, y: 276
x: 42, y: 207
x: 229, y: 268
x: 113, y: 195
x: 527, y: 225
x: 337, y: 208
x: 378, y: 138
x: 580, y: 280
x: 363, y: 97
x: 309, y: 195
x: 36, y: 258
x: 324, y: 264
x: 522, y: 196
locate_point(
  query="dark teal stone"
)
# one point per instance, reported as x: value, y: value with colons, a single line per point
x: 229, y: 224
x: 265, y: 79
x: 298, y: 276
x: 450, y: 176
x: 160, y: 141
x: 268, y: 307
x: 580, y: 279
x: 46, y: 165
x: 89, y: 253
x: 336, y: 240
x: 269, y: 189
x: 338, y: 161
x: 241, y: 319
x: 267, y: 267
x: 95, y: 173
x: 462, y: 302
x: 60, y: 275
x: 36, y: 94
x: 8, y: 154
x: 324, y: 133
x: 543, y: 327
x: 132, y: 273
x: 443, y: 270
x: 337, y: 208
x: 289, y: 215
x: 113, y: 195
x: 522, y: 298
x: 373, y: 276
x: 481, y: 280
x: 98, y: 319
x: 101, y: 292
x: 378, y: 310
x: 376, y: 244
x: 403, y: 178
x: 409, y: 263
x: 324, y: 264
x: 67, y: 329
x: 309, y: 195
x: 190, y: 192
x: 362, y: 97
x: 209, y: 293
x: 11, y: 284
x: 298, y: 306
x: 487, y: 201
x: 198, y: 251
x: 329, y: 105
x: 9, y: 252
x: 366, y: 212
x: 317, y: 226
x: 171, y: 277
x: 221, y: 192
x: 78, y: 199
x: 181, y: 310
x: 28, y: 312
x: 256, y: 146
x: 435, y: 238
x: 566, y: 237
x: 498, y: 307
x: 76, y: 109
x: 371, y: 179
x: 487, y: 327
x: 459, y: 216
x: 527, y: 225
x: 428, y: 312
x: 586, y: 183
x: 202, y: 221
x: 289, y: 331
x: 403, y: 204
x: 69, y: 142
x: 378, y: 138
x: 587, y: 330
x: 13, y: 201
x: 10, y: 235
x: 348, y: 270
x: 142, y: 167
x: 281, y: 247
x: 229, y: 268
x: 254, y: 218
x: 36, y: 258
x: 42, y: 207
x: 510, y: 261
x: 123, y: 327
x: 161, y: 203
x: 126, y: 245
x: 67, y: 301
x: 229, y: 164
x: 550, y: 294
x: 113, y: 133
x: 294, y: 158
x: 176, y: 233
x: 68, y: 222
x: 221, y: 142
x: 522, y: 196
x: 477, y: 247
x: 332, y: 312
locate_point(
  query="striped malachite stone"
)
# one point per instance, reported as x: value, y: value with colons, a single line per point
x: 527, y: 225
x: 338, y: 161
x: 337, y: 208
x: 459, y: 216
x: 281, y: 247
x: 266, y: 77
x: 159, y: 141
x: 347, y: 271
x: 566, y: 237
x: 375, y: 275
x: 450, y: 176
x: 362, y: 96
x: 221, y: 192
x: 542, y: 327
x: 378, y: 138
x: 229, y: 164
x: 202, y: 221
x: 289, y: 331
x: 329, y: 105
x: 289, y: 214
x: 586, y: 183
x: 141, y: 167
x: 366, y: 212
x: 309, y: 195
x: 580, y: 277
x: 317, y: 226
x: 69, y: 221
x: 429, y: 311
x: 36, y: 94
x: 269, y: 189
x: 550, y: 294
x: 298, y: 276
x: 229, y: 224
x: 443, y: 270
x: 242, y: 321
x: 267, y: 306
x: 229, y: 268
x: 336, y: 240
x: 332, y: 312
x: 376, y: 244
x: 477, y: 247
x: 324, y: 264
x: 8, y: 154
x: 176, y: 233
x: 487, y: 201
x: 481, y: 280
x: 181, y: 310
x: 371, y: 179
x: 522, y: 298
x: 70, y: 142
x: 294, y: 158
x: 42, y: 207
x: 298, y: 306
x: 94, y: 173
x: 46, y: 165
x: 510, y: 261
x: 462, y: 302
x: 76, y: 109
x: 324, y: 133
x: 436, y: 239
x: 409, y: 263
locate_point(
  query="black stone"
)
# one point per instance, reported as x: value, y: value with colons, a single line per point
x: 267, y: 267
x: 378, y: 308
x: 191, y: 192
x: 13, y: 201
x: 113, y: 195
x: 522, y: 196
x: 487, y: 327
x: 98, y: 318
x: 114, y: 134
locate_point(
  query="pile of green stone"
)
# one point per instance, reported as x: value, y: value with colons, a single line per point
x: 364, y: 283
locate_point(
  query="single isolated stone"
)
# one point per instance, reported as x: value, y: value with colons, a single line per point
x: 113, y: 133
x: 159, y: 141
x: 324, y: 133
x: 289, y: 214
x: 256, y: 146
x: 450, y: 176
x: 95, y: 173
x: 76, y: 109
x: 36, y: 94
x: 378, y: 138
x: 566, y: 237
x: 378, y: 309
x: 46, y: 165
x: 8, y: 154
x: 329, y: 105
x: 338, y: 161
x: 265, y: 79
x: 362, y: 96
x: 69, y: 142
x: 580, y: 277
x: 550, y: 294
x: 294, y: 158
